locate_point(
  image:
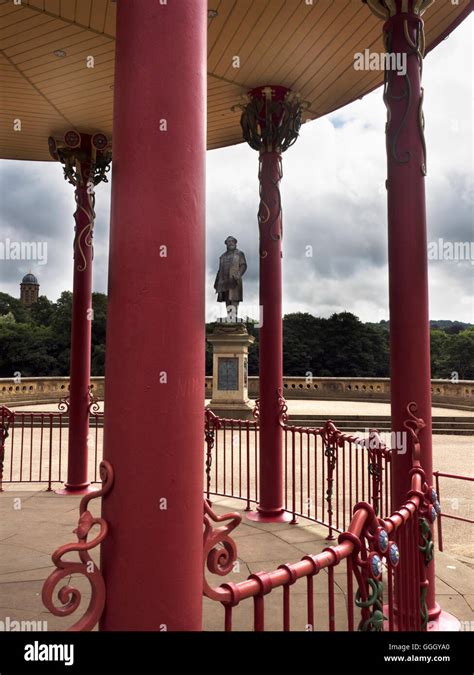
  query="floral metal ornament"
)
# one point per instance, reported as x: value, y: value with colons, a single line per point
x: 375, y: 565
x: 374, y: 602
x: 384, y: 9
x: 427, y: 546
x: 271, y: 118
x: 381, y: 539
x: 393, y: 554
x: 86, y: 159
x: 69, y: 596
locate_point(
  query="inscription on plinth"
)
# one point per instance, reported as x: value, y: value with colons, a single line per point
x: 228, y: 374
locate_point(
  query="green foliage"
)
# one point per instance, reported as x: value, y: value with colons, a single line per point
x: 36, y: 341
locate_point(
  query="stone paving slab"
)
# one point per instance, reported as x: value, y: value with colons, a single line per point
x: 45, y: 521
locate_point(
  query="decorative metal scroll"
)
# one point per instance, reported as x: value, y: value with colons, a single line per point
x: 414, y: 425
x: 414, y: 36
x: 64, y: 403
x: 86, y: 162
x: 256, y: 410
x: 83, y: 238
x: 220, y: 551
x: 7, y: 417
x: 428, y: 512
x: 69, y: 596
x: 211, y: 422
x: 375, y: 467
x: 94, y: 406
x: 282, y: 408
x: 83, y: 164
x: 269, y: 210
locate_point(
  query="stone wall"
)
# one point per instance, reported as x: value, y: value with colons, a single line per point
x: 37, y: 390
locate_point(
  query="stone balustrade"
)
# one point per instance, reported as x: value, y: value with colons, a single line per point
x: 38, y: 390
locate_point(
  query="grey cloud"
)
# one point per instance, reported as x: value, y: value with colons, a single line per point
x: 333, y: 198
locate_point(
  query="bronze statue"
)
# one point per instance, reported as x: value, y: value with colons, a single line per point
x: 228, y: 283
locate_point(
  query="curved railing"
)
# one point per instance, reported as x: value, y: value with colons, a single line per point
x: 34, y: 443
x: 390, y: 553
x: 325, y: 470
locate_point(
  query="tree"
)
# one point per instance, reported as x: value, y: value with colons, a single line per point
x: 460, y: 354
x: 42, y: 311
x: 439, y: 341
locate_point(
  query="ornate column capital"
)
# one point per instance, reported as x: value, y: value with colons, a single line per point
x: 271, y: 118
x: 384, y: 9
x: 85, y: 158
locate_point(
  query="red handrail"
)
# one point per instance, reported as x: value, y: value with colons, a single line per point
x: 365, y: 525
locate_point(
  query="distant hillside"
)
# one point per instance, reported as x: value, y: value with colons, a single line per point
x: 451, y: 327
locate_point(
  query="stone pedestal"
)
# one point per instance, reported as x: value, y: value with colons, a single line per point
x: 230, y: 343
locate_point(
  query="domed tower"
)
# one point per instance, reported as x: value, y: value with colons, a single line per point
x: 29, y: 290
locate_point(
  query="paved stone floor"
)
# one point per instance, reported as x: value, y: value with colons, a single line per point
x: 33, y: 524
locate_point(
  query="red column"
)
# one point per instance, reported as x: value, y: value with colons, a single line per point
x: 407, y: 242
x: 86, y: 160
x: 270, y: 123
x: 154, y: 434
x: 270, y: 507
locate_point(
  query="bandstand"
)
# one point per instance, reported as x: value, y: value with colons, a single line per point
x: 169, y: 80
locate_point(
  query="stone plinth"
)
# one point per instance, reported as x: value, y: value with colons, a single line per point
x: 230, y: 343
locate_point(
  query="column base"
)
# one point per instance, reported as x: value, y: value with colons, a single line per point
x: 76, y: 490
x: 441, y: 622
x: 263, y: 516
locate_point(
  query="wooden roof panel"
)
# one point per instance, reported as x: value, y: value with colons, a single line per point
x: 309, y: 48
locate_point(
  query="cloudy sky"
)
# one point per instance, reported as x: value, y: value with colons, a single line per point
x: 333, y: 199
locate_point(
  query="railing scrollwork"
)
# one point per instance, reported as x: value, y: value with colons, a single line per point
x: 69, y: 596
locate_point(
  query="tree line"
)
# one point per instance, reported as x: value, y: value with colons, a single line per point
x: 36, y: 341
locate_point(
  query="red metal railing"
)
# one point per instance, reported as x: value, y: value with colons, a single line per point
x: 325, y: 470
x: 437, y: 475
x: 33, y: 445
x: 373, y: 563
x: 231, y: 462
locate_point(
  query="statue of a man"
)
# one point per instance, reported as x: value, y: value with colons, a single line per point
x: 228, y: 283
